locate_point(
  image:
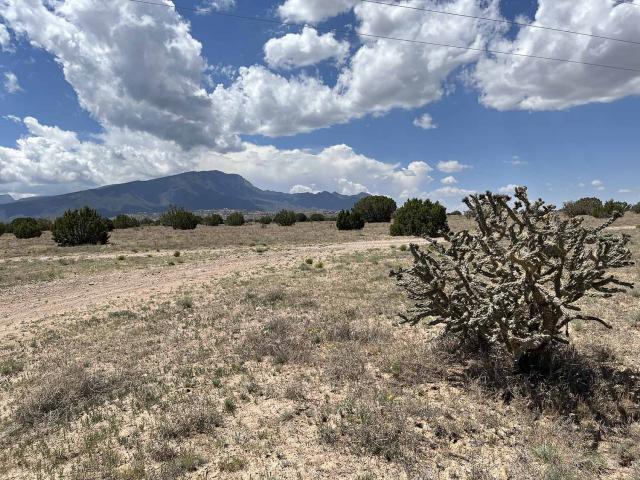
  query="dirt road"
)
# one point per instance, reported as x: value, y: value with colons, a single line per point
x: 41, y: 302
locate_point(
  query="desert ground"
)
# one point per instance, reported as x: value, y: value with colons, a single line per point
x: 276, y: 353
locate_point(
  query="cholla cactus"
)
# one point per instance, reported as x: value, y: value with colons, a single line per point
x: 516, y: 280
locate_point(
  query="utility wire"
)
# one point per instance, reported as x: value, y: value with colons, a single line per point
x: 398, y: 39
x: 502, y: 20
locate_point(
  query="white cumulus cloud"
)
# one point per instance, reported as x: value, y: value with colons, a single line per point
x: 164, y: 92
x: 425, y: 122
x: 508, y: 189
x: 511, y: 82
x: 301, y: 189
x: 160, y: 92
x: 208, y: 6
x: 313, y: 11
x: 11, y: 84
x: 304, y: 49
x: 452, y: 166
x: 5, y: 38
x: 450, y: 180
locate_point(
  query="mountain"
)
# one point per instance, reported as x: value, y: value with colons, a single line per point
x: 210, y: 190
x: 4, y: 199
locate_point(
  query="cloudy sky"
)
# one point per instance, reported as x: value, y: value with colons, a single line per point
x: 305, y: 95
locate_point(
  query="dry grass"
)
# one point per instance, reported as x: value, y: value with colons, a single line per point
x: 304, y: 373
x: 151, y: 239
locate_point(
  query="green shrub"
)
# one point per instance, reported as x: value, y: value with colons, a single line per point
x: 179, y: 219
x: 3, y: 228
x: 235, y: 219
x: 636, y: 208
x: 420, y: 218
x: 347, y: 220
x: 456, y: 213
x: 110, y: 226
x: 147, y: 221
x: 122, y: 222
x: 25, y: 227
x: 80, y: 227
x: 212, y: 220
x: 285, y: 218
x: 266, y: 220
x: 612, y: 206
x: 375, y: 208
x: 594, y: 207
x: 44, y: 224
x: 301, y: 217
x: 584, y: 206
x: 316, y: 217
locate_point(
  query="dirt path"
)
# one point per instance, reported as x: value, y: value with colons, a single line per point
x: 41, y: 302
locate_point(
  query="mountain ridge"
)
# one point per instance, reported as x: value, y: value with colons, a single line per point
x: 195, y: 190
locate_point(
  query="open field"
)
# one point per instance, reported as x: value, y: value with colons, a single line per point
x: 274, y: 353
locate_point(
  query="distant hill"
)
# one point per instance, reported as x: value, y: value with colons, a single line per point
x: 4, y: 199
x: 210, y: 190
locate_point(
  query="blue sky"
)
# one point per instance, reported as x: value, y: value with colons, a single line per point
x: 89, y: 111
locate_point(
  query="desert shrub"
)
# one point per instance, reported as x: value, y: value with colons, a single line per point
x: 612, y: 206
x: 25, y: 227
x: 370, y: 424
x: 232, y: 464
x: 318, y: 217
x: 235, y: 219
x: 59, y: 395
x: 375, y: 208
x: 301, y: 217
x: 594, y: 207
x: 584, y: 206
x: 420, y: 218
x: 514, y: 282
x: 280, y: 338
x: 147, y: 221
x: 199, y: 417
x: 456, y: 213
x: 266, y: 220
x: 3, y: 228
x: 636, y: 208
x: 110, y: 225
x: 122, y: 222
x: 44, y: 224
x: 179, y: 219
x: 80, y: 227
x: 285, y: 218
x: 349, y: 220
x: 212, y: 220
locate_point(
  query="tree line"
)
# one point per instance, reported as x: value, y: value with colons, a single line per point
x: 417, y: 217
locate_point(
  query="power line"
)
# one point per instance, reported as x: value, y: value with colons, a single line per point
x: 397, y: 39
x: 502, y: 20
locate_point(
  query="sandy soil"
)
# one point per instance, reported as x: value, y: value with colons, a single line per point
x: 43, y: 301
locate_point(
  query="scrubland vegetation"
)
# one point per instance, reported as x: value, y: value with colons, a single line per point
x: 261, y: 351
